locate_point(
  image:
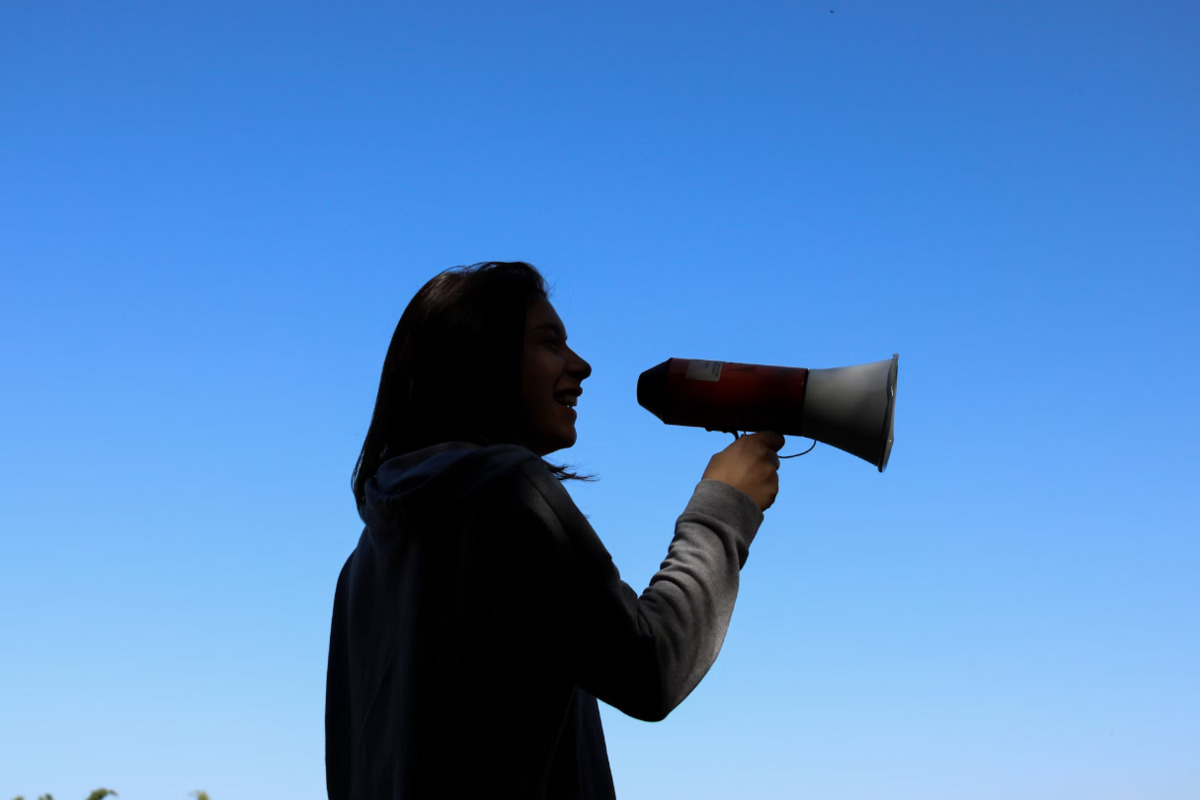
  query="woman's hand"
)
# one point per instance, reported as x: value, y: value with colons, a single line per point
x: 750, y: 464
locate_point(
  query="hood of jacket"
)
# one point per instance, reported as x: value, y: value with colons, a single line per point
x: 433, y: 479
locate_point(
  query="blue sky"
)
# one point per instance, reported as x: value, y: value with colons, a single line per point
x: 213, y: 213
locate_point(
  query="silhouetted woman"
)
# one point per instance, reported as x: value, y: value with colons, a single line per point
x: 480, y: 617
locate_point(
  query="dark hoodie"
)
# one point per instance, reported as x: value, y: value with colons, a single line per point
x: 480, y: 617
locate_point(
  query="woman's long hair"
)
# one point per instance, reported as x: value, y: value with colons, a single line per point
x: 453, y: 369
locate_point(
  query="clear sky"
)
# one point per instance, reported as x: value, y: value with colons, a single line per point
x: 213, y: 213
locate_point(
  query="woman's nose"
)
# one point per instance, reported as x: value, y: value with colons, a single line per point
x: 579, y: 367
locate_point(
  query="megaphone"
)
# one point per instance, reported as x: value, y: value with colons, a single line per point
x: 849, y: 408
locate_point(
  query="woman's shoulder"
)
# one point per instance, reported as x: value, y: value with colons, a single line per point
x: 511, y: 482
x: 521, y: 474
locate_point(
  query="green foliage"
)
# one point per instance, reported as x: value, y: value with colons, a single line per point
x: 200, y: 794
x: 98, y: 794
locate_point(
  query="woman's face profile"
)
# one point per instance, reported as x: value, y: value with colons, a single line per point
x: 551, y: 378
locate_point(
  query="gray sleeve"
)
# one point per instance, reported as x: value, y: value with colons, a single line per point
x: 642, y: 654
x: 689, y: 601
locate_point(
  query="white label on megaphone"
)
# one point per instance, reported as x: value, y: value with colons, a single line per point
x: 704, y: 370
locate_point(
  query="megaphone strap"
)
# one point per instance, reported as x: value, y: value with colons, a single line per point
x: 737, y: 435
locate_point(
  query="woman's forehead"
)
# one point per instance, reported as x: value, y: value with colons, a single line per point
x: 541, y: 314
